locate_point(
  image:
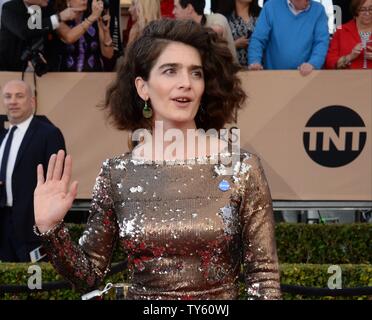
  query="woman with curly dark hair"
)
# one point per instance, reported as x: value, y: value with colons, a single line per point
x: 186, y: 222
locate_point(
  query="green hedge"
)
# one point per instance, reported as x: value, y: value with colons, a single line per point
x: 310, y: 243
x: 324, y: 244
x: 292, y: 274
x: 311, y: 275
x: 305, y: 253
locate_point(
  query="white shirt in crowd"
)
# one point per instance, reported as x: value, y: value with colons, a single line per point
x: 18, y: 136
x: 328, y: 6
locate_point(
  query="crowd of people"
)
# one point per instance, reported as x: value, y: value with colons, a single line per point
x: 76, y: 35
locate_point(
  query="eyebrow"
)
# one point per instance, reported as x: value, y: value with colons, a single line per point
x: 14, y: 93
x: 177, y: 65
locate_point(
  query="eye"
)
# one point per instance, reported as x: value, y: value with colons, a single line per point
x: 197, y: 74
x: 169, y: 71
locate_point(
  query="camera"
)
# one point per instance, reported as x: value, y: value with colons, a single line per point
x: 34, y: 54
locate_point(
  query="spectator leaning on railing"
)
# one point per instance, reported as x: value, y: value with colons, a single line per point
x: 351, y: 46
x: 289, y: 34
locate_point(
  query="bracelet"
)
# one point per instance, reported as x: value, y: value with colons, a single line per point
x: 90, y: 21
x: 84, y: 26
x: 46, y: 233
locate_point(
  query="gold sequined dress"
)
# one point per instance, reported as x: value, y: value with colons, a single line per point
x: 189, y: 229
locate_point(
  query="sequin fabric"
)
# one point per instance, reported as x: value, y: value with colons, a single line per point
x: 185, y: 237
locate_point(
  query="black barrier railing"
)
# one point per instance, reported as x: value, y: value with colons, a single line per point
x: 116, y: 268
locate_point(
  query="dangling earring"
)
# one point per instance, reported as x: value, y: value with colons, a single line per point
x: 147, y: 111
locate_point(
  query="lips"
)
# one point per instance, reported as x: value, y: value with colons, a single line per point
x: 182, y: 99
x: 182, y: 102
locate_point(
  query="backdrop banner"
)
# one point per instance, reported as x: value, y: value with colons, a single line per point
x: 313, y: 134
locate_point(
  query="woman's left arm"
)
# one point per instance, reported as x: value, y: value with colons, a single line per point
x: 105, y: 40
x: 260, y: 261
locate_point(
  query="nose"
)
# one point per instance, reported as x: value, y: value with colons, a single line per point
x: 12, y: 99
x: 184, y: 80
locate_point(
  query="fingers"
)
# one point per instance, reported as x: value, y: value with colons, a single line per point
x: 255, y: 67
x: 67, y: 170
x: 57, y: 173
x: 51, y: 165
x: 72, y: 193
x: 40, y: 174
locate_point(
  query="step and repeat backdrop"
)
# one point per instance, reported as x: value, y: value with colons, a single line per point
x: 313, y: 134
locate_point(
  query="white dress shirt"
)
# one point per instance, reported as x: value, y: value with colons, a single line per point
x: 328, y: 6
x: 13, y: 152
x: 294, y: 10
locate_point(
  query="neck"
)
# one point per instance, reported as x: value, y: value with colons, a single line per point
x: 186, y: 143
x: 242, y: 9
x: 297, y: 8
x: 162, y: 127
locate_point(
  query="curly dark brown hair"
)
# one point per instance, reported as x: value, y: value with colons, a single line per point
x: 223, y: 94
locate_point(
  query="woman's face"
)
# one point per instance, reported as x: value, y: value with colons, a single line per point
x: 133, y: 10
x: 365, y: 13
x: 78, y: 4
x: 175, y: 86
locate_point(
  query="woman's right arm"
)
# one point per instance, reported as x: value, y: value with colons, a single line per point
x: 86, y: 264
x: 71, y: 35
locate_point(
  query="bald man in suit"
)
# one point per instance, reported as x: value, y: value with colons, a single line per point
x: 28, y: 142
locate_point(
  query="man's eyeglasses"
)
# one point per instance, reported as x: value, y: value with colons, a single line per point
x: 365, y: 10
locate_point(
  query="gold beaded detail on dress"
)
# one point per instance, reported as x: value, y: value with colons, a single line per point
x: 187, y: 230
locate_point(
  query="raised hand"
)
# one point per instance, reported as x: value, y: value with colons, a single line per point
x: 54, y: 195
x: 69, y: 14
x: 97, y: 8
x: 104, y: 22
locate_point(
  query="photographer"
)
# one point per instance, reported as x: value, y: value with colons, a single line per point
x: 22, y: 36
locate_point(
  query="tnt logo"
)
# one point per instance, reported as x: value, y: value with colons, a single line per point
x: 334, y: 136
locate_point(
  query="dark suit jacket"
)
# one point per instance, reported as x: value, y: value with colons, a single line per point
x: 39, y: 143
x: 15, y: 36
